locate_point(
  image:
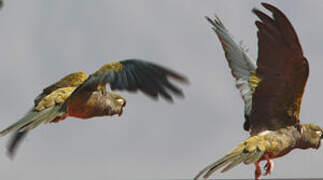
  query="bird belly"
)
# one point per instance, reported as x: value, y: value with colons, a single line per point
x: 278, y: 144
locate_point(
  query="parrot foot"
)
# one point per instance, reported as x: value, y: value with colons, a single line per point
x: 269, y: 165
x: 257, y: 171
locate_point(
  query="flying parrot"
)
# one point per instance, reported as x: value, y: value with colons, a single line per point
x: 82, y: 96
x: 272, y: 90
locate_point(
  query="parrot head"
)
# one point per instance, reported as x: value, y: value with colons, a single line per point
x: 115, y: 104
x: 312, y: 135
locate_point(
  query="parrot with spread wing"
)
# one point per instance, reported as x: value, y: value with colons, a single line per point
x: 82, y: 96
x: 272, y: 90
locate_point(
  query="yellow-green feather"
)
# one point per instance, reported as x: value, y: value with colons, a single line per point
x: 57, y: 97
x: 251, y: 150
x: 253, y: 81
x: 110, y: 67
x: 71, y: 80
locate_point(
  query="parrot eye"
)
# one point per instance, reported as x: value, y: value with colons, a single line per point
x: 319, y: 133
x: 121, y: 101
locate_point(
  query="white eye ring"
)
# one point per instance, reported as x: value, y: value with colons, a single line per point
x: 121, y: 101
x: 319, y: 133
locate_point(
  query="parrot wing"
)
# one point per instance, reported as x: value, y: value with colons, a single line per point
x: 133, y: 75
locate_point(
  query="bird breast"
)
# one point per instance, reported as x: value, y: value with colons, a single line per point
x: 282, y: 141
x: 87, y: 105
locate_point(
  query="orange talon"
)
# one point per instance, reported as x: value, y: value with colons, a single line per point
x: 269, y: 165
x: 257, y: 171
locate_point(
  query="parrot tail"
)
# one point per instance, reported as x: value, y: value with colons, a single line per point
x: 247, y: 152
x: 34, y: 118
x: 14, y: 142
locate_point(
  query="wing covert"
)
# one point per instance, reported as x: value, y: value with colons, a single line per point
x: 71, y: 80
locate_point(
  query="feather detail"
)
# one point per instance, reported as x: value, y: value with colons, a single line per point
x: 133, y: 75
x: 250, y: 151
x: 241, y: 65
x: 33, y: 119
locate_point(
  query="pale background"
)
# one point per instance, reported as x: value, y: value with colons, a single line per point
x: 41, y: 41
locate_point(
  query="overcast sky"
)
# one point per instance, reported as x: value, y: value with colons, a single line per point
x: 42, y: 41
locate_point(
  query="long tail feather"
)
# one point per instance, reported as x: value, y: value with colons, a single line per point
x: 242, y: 158
x: 237, y: 156
x: 44, y: 118
x: 29, y: 117
x: 216, y: 165
x: 33, y: 119
x: 219, y: 165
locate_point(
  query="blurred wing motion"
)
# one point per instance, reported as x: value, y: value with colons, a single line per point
x: 242, y: 67
x: 133, y: 75
x: 283, y: 71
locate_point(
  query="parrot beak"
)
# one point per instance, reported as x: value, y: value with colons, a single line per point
x: 123, y: 102
x: 121, y: 112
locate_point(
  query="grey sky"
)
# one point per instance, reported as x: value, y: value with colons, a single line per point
x: 41, y: 41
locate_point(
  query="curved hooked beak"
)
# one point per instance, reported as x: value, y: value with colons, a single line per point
x: 123, y: 104
x: 121, y: 112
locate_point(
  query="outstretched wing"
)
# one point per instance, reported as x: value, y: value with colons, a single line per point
x: 71, y: 80
x: 133, y: 75
x: 283, y: 71
x: 242, y: 66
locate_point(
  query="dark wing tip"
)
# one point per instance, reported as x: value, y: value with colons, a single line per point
x: 210, y: 20
x: 215, y: 22
x: 143, y: 63
x: 256, y: 11
x: 150, y: 78
x: 263, y: 17
x: 282, y: 23
x: 270, y: 7
x: 259, y: 24
x: 14, y: 142
x: 176, y: 76
x: 274, y: 10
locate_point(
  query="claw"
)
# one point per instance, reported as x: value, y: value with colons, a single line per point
x: 257, y: 171
x: 269, y: 167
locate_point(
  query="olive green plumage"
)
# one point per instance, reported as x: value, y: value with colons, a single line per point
x: 71, y: 80
x: 272, y: 90
x: 83, y: 96
x: 273, y: 143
